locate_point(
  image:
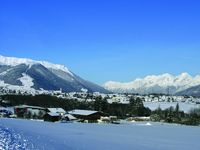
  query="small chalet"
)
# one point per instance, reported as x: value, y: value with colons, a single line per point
x: 54, y: 114
x: 86, y: 114
x: 52, y: 117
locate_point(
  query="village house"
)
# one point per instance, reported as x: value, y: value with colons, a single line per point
x: 52, y: 117
x: 54, y: 114
x: 86, y: 114
x: 23, y: 110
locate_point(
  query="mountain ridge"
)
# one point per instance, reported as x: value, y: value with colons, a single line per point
x: 14, y: 61
x: 164, y: 83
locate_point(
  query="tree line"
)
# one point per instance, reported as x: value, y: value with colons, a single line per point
x: 175, y: 115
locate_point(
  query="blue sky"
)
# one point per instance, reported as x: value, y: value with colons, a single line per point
x: 103, y: 40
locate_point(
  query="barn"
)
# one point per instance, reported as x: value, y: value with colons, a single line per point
x: 86, y: 114
x: 52, y: 117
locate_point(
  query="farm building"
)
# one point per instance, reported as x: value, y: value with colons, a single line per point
x: 52, y: 117
x: 86, y: 114
x: 22, y: 110
x: 54, y: 114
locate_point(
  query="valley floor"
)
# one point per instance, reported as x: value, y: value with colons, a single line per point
x: 24, y: 134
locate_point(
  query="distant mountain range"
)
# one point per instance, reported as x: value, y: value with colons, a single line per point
x: 29, y: 75
x: 183, y: 84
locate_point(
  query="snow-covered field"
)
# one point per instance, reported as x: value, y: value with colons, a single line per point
x: 23, y: 134
x: 186, y: 107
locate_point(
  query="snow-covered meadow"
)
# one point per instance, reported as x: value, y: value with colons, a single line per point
x: 23, y: 134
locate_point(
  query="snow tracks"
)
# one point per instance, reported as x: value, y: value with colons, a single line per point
x: 10, y: 140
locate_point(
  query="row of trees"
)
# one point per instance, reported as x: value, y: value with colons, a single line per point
x: 175, y: 115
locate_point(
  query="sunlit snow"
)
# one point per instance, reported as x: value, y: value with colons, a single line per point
x: 78, y: 136
x: 12, y: 61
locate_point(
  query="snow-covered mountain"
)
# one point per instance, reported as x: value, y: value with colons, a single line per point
x: 23, y: 74
x: 165, y: 83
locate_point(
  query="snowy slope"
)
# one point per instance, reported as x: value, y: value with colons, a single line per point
x: 77, y: 136
x: 193, y: 91
x: 26, y: 80
x: 156, y: 84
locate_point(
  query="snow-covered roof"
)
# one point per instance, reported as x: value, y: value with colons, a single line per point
x: 82, y: 112
x: 56, y: 110
x: 2, y: 108
x: 11, y: 109
x: 70, y: 117
x: 53, y: 114
x: 28, y: 106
